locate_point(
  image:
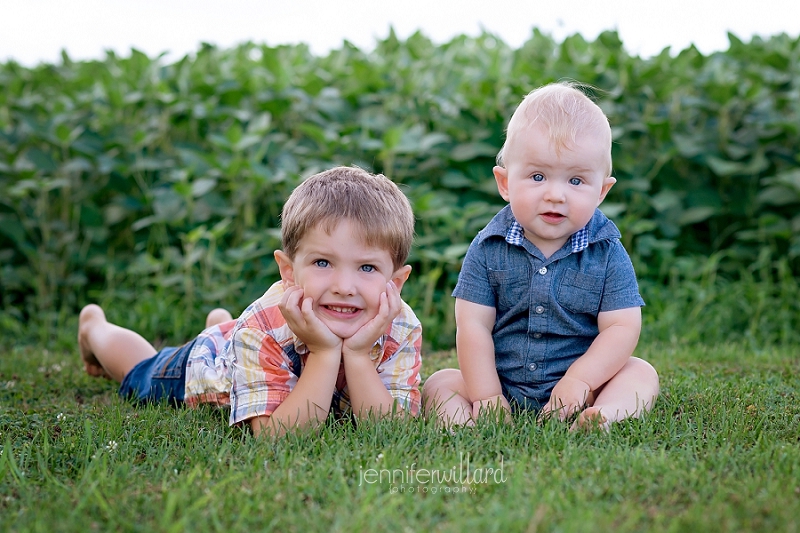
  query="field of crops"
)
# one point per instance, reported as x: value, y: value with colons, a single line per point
x: 148, y: 186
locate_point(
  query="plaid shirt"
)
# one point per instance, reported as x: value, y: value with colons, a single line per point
x: 253, y: 363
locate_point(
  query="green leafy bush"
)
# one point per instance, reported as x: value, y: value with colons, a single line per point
x: 158, y: 186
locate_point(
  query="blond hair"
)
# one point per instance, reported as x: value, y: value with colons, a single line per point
x: 373, y: 202
x: 564, y: 112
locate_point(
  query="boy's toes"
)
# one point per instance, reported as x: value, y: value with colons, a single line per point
x: 590, y: 419
x: 217, y: 316
x: 96, y: 371
x: 89, y: 317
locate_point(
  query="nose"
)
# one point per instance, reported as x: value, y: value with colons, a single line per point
x: 344, y: 283
x: 554, y: 192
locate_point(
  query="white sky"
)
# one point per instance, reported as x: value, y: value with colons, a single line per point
x: 32, y: 31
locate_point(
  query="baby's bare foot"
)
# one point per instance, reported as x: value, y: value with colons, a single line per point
x: 590, y: 419
x: 217, y: 316
x: 91, y: 316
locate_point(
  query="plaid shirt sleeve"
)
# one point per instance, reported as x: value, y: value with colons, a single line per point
x: 207, y: 379
x: 401, y: 362
x: 261, y: 375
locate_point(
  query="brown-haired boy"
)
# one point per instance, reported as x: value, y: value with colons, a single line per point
x: 332, y: 334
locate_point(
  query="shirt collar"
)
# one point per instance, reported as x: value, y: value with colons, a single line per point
x: 579, y: 240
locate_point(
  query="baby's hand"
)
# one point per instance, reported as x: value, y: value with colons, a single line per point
x: 362, y: 340
x: 300, y: 317
x: 496, y: 406
x: 568, y: 396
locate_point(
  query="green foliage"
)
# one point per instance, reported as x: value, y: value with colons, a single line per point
x: 128, y: 179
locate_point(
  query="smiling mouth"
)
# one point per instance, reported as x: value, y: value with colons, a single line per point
x: 343, y: 310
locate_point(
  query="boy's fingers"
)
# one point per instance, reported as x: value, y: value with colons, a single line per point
x: 307, y: 308
x: 386, y: 307
x: 292, y: 296
x: 393, y: 299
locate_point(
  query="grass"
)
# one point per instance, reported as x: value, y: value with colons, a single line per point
x: 720, y: 452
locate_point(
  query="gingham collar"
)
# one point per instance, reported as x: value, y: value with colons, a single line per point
x: 579, y: 240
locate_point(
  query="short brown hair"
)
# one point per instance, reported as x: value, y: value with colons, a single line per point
x: 372, y: 201
x: 564, y: 110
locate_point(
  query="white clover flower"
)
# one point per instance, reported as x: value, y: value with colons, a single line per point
x: 60, y: 417
x: 111, y: 446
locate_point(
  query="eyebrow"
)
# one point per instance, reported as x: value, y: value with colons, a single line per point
x: 369, y: 257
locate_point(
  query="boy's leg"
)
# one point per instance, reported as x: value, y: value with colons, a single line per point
x: 217, y: 316
x: 445, y: 394
x: 106, y: 349
x: 631, y: 392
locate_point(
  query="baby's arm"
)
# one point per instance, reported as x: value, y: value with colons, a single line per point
x: 612, y: 348
x: 475, y: 348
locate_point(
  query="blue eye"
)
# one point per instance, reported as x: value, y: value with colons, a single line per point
x: 322, y: 263
x: 538, y: 177
x: 575, y: 181
x: 367, y: 268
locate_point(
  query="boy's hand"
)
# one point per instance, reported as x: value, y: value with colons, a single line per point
x: 300, y: 317
x: 362, y: 340
x: 568, y: 396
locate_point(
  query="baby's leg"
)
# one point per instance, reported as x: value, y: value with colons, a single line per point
x: 217, y: 316
x: 631, y: 392
x: 106, y: 349
x: 445, y: 393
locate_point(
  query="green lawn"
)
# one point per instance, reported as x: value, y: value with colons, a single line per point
x: 720, y: 452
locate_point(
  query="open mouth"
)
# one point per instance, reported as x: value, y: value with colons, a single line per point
x: 553, y: 217
x: 342, y: 310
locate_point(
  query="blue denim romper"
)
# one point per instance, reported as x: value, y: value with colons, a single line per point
x: 546, y: 308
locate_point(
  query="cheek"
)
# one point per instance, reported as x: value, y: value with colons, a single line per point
x: 373, y: 297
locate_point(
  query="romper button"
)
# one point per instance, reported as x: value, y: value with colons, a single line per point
x: 539, y: 309
x: 537, y: 335
x: 532, y: 367
x: 543, y: 271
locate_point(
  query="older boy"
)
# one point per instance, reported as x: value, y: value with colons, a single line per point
x: 332, y: 334
x: 547, y: 304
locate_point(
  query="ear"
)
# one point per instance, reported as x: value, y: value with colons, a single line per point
x: 607, y: 184
x: 286, y: 267
x: 501, y: 177
x: 400, y: 276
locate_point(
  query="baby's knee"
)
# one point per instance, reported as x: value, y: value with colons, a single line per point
x: 642, y: 368
x: 446, y: 379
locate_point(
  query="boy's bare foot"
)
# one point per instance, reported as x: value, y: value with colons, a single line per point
x: 217, y: 316
x: 90, y: 317
x: 590, y: 419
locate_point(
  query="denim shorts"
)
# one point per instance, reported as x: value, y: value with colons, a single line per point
x: 162, y: 377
